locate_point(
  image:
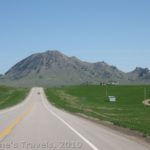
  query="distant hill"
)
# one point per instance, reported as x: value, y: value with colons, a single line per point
x: 52, y: 68
x: 140, y: 74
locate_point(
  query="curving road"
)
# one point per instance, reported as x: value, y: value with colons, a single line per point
x: 37, y: 125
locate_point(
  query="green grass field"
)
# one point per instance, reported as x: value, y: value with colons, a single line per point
x: 11, y: 96
x: 128, y: 111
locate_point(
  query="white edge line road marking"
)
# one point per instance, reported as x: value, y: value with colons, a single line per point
x: 69, y: 126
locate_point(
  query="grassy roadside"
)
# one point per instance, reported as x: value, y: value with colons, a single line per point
x: 128, y: 111
x: 10, y: 96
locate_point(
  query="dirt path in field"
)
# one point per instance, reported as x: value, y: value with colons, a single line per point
x: 147, y: 102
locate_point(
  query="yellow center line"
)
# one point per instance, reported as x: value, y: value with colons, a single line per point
x: 14, y: 123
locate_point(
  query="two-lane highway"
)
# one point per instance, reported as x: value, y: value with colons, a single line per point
x: 37, y: 125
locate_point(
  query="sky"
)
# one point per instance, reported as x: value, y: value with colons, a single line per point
x: 114, y: 31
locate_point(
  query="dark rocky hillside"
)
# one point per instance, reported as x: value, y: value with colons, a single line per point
x: 53, y: 68
x: 140, y: 74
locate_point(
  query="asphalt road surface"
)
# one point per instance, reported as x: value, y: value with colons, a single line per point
x: 37, y: 125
